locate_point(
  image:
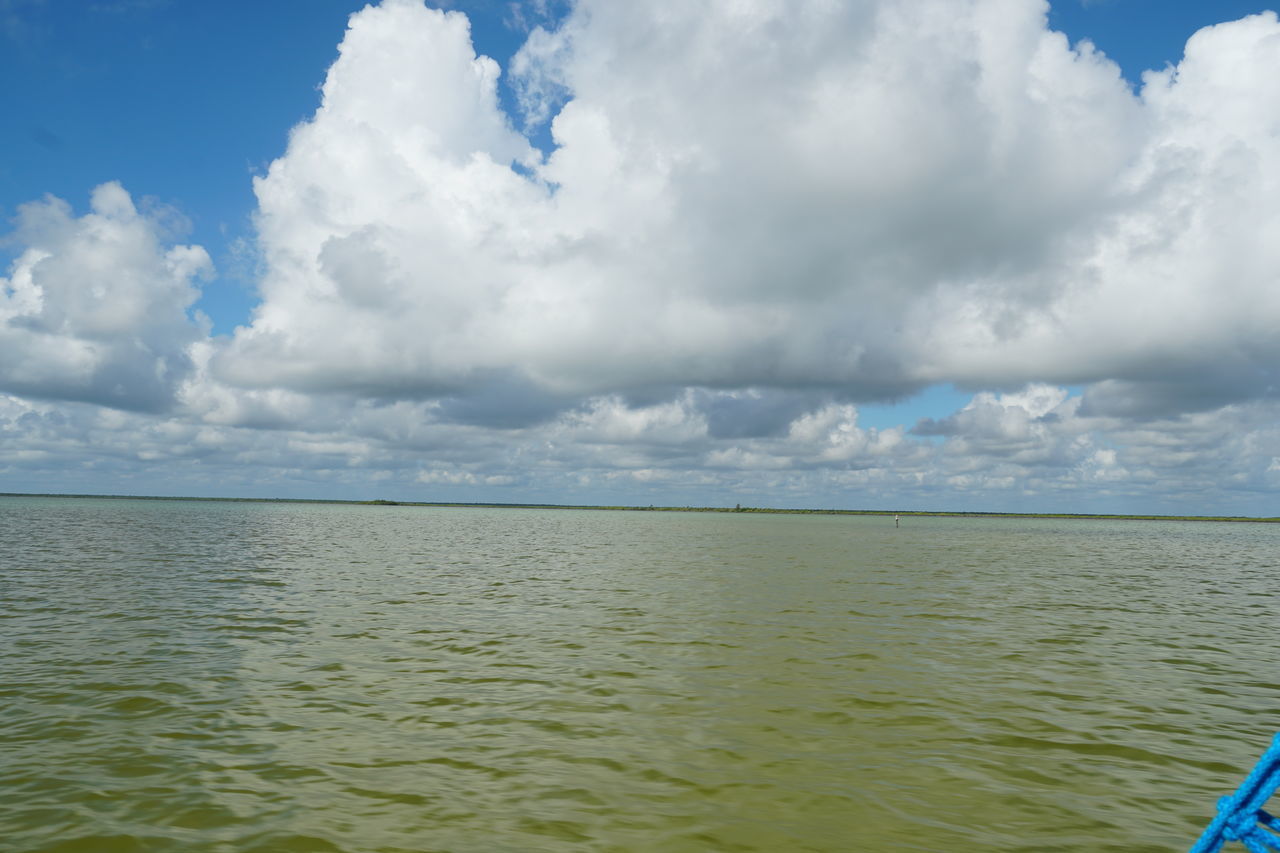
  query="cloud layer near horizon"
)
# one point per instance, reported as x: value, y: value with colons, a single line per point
x: 758, y: 217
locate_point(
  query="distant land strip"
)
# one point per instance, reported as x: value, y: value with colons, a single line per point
x: 905, y: 513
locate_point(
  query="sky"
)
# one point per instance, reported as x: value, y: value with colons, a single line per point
x: 986, y: 255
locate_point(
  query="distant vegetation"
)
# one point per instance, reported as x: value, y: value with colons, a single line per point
x: 737, y: 508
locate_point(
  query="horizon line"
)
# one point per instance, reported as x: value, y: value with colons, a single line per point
x: 738, y: 508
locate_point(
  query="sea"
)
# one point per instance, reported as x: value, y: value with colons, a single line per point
x: 237, y: 677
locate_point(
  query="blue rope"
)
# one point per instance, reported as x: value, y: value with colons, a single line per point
x: 1240, y: 816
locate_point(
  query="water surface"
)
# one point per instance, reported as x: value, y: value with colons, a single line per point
x: 201, y: 676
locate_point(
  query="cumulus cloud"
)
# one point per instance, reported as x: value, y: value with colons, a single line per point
x: 863, y: 198
x: 1171, y: 297
x: 999, y: 452
x: 95, y: 307
x: 384, y: 229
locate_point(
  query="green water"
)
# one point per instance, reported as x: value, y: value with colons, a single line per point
x: 279, y: 677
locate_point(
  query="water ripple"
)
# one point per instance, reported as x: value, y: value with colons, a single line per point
x: 270, y: 677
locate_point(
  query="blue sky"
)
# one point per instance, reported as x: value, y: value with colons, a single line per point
x: 183, y: 105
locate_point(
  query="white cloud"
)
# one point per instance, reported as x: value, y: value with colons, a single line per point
x: 997, y: 455
x: 863, y: 197
x: 95, y: 307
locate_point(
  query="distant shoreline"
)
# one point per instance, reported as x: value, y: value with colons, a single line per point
x: 732, y: 509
